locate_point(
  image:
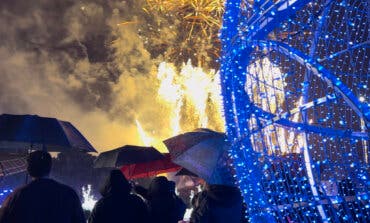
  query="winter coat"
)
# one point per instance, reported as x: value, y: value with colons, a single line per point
x: 43, y: 201
x: 164, y: 205
x: 218, y: 204
x: 118, y: 204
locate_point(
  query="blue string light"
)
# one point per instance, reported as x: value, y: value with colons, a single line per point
x: 4, y: 194
x: 295, y: 77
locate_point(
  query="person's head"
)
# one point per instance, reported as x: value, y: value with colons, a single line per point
x: 39, y: 164
x: 159, y: 186
x: 116, y: 184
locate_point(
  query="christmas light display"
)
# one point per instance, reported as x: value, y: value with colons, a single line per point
x: 295, y: 85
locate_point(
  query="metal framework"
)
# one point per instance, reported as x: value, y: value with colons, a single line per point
x: 295, y: 84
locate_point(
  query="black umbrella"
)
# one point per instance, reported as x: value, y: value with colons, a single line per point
x: 127, y: 155
x: 31, y: 132
x: 185, y: 172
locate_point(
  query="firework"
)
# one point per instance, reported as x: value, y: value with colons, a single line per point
x: 191, y: 91
x: 197, y: 24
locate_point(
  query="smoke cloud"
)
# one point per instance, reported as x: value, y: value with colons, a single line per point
x: 70, y: 60
x: 91, y: 62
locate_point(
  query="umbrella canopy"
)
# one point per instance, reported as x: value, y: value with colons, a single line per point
x: 185, y: 172
x: 127, y: 154
x: 149, y: 169
x: 181, y: 143
x: 202, y: 152
x: 23, y: 132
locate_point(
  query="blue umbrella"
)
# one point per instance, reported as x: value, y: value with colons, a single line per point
x: 204, y: 153
x: 31, y: 132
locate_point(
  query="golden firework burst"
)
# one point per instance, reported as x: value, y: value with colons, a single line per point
x: 203, y: 14
x: 199, y: 20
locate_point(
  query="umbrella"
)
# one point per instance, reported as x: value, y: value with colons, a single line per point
x: 127, y: 154
x: 180, y: 143
x: 148, y: 169
x: 202, y: 152
x: 31, y: 132
x: 185, y: 172
x: 12, y: 164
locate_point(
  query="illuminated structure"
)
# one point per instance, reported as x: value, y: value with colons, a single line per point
x: 295, y: 85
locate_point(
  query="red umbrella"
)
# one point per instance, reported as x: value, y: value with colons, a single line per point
x: 149, y: 169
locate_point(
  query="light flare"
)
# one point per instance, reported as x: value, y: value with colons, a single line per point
x: 145, y: 139
x: 148, y: 140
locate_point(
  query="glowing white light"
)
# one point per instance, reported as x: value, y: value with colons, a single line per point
x: 265, y: 85
x: 89, y: 200
x: 187, y: 214
x: 192, y: 85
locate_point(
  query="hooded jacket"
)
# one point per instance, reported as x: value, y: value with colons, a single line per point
x: 218, y: 204
x: 43, y: 201
x: 118, y: 204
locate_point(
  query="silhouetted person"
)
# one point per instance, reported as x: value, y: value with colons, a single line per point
x: 43, y: 200
x: 218, y: 204
x: 118, y: 204
x: 164, y: 205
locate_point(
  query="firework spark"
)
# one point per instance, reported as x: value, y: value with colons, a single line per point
x: 194, y: 86
x: 198, y: 22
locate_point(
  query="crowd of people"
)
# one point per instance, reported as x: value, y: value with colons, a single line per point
x: 45, y: 200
